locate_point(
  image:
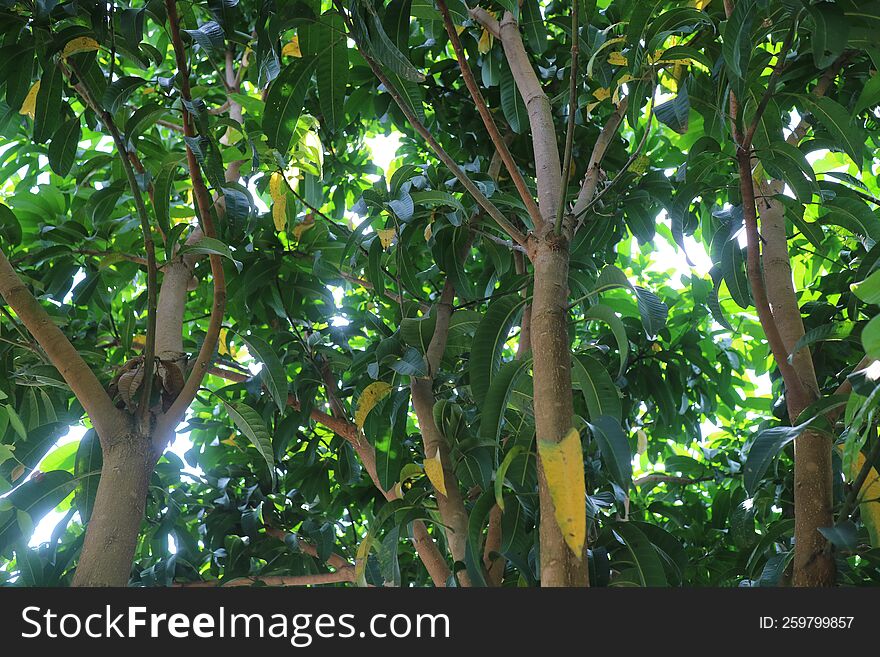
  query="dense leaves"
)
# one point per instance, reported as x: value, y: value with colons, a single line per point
x: 335, y: 268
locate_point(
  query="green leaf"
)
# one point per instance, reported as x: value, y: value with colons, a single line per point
x: 532, y: 23
x: 604, y: 313
x: 209, y: 246
x: 273, y: 374
x: 497, y: 397
x: 47, y: 114
x: 733, y: 266
x: 332, y: 69
x: 839, y: 124
x: 737, y: 41
x: 830, y: 33
x: 871, y: 338
x: 676, y: 112
x: 35, y: 497
x: 118, y: 92
x: 284, y: 103
x: 210, y: 38
x: 829, y: 331
x: 62, y: 150
x: 489, y: 340
x: 89, y: 460
x: 251, y: 425
x: 387, y: 52
x: 852, y: 214
x: 599, y: 391
x: 502, y: 471
x: 869, y: 96
x: 786, y: 162
x: 764, y: 448
x: 512, y: 103
x: 869, y: 289
x: 642, y: 555
x: 474, y: 549
x: 652, y: 310
x: 614, y: 446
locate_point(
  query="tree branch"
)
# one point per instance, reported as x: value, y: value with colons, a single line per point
x: 341, y: 575
x: 490, y: 208
x: 175, y: 413
x: 549, y: 172
x: 488, y: 121
x: 572, y: 110
x: 105, y: 417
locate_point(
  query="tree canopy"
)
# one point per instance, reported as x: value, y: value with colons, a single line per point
x: 478, y: 366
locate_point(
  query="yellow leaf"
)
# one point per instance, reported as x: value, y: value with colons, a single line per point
x: 30, y: 101
x: 146, y: 91
x: 230, y: 441
x: 563, y: 466
x: 642, y: 440
x: 276, y: 186
x: 459, y: 29
x: 626, y: 77
x: 221, y: 343
x: 602, y: 93
x: 640, y: 164
x: 372, y: 395
x: 429, y: 230
x: 139, y: 340
x: 870, y: 493
x: 303, y: 226
x: 434, y: 470
x: 292, y: 48
x: 616, y: 58
x: 279, y: 213
x: 485, y: 44
x: 78, y: 45
x: 386, y: 236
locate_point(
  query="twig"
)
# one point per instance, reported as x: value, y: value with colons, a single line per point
x: 441, y: 153
x: 488, y: 121
x: 203, y: 200
x: 572, y: 110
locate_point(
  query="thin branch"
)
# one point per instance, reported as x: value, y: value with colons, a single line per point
x: 149, y: 246
x: 341, y: 575
x: 572, y: 110
x: 587, y: 196
x: 441, y: 153
x: 203, y: 200
x: 771, y: 85
x: 105, y: 417
x: 488, y: 121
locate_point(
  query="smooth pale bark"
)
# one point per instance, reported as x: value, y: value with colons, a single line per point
x: 813, y: 472
x: 547, y: 165
x: 113, y: 530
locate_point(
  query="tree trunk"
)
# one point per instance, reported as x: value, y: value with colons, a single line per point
x: 554, y: 408
x: 813, y: 476
x: 113, y: 530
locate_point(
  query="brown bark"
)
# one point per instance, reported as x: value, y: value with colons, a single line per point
x: 450, y: 505
x: 341, y: 575
x: 105, y: 417
x: 553, y: 401
x: 112, y: 532
x: 770, y: 272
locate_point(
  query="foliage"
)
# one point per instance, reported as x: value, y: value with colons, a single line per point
x: 334, y: 269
